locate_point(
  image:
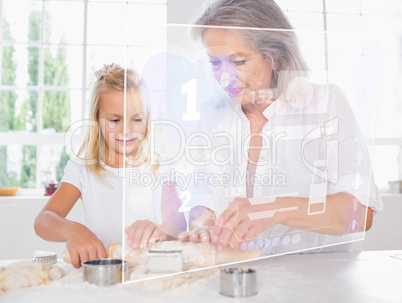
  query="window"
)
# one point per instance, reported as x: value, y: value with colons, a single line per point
x: 350, y: 30
x: 50, y: 49
x: 49, y: 52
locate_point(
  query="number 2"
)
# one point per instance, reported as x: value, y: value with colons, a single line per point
x: 183, y: 208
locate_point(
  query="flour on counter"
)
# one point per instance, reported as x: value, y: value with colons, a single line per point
x: 27, y: 274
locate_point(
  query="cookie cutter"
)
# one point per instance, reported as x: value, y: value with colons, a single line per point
x: 164, y: 261
x: 104, y: 272
x: 44, y: 257
x: 238, y: 282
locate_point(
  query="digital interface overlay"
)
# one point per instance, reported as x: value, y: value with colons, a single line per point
x: 312, y: 164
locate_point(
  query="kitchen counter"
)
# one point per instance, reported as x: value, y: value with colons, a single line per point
x: 370, y: 276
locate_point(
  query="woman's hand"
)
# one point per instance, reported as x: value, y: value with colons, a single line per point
x: 202, y: 221
x: 341, y: 210
x: 201, y: 234
x: 144, y: 232
x: 83, y: 245
x: 235, y: 226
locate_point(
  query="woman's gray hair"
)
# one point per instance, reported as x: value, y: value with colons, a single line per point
x: 278, y: 43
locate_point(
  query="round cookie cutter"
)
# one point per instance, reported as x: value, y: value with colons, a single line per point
x: 104, y: 272
x: 238, y: 282
x: 44, y: 257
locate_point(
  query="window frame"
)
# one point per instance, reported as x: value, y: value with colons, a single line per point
x: 39, y: 138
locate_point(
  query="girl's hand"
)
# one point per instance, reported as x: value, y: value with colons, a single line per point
x: 83, y: 245
x: 144, y: 232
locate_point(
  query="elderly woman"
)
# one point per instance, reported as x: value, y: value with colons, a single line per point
x: 298, y: 164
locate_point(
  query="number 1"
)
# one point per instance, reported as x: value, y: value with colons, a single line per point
x: 190, y: 88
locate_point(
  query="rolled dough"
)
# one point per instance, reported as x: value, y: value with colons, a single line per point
x: 195, y: 256
x: 26, y: 274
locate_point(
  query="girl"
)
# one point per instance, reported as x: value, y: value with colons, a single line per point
x: 118, y: 138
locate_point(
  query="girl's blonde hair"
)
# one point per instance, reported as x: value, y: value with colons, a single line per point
x: 112, y: 77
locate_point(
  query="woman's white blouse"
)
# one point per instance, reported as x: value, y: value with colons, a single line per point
x: 311, y: 148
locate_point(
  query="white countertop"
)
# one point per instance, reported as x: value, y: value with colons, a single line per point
x: 374, y: 276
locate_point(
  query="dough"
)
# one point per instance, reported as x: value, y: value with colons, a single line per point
x: 156, y: 281
x: 66, y: 257
x: 55, y: 273
x: 21, y: 278
x: 26, y: 274
x: 195, y: 256
x: 25, y: 265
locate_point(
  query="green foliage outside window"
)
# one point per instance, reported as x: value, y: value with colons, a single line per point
x: 7, y: 105
x: 56, y: 104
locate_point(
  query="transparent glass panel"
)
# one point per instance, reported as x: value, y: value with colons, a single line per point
x: 306, y: 21
x: 145, y: 13
x: 387, y: 166
x: 97, y: 56
x: 344, y: 43
x: 315, y: 61
x: 150, y: 1
x: 389, y: 112
x: 137, y: 56
x: 311, y: 38
x: 199, y: 93
x: 344, y: 23
x: 18, y: 166
x: 21, y: 20
x: 305, y: 6
x: 389, y: 78
x: 106, y: 23
x: 64, y: 22
x: 386, y: 26
x: 56, y: 111
x: 146, y: 35
x: 18, y: 110
x: 283, y: 4
x: 63, y: 66
x: 387, y: 7
x: 343, y: 6
x: 344, y: 69
x: 362, y: 91
x: 133, y: 1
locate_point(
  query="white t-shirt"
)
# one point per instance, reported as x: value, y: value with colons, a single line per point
x: 104, y: 202
x: 311, y: 148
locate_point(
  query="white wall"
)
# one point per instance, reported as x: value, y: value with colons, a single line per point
x: 183, y: 11
x: 386, y: 232
x: 18, y: 238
